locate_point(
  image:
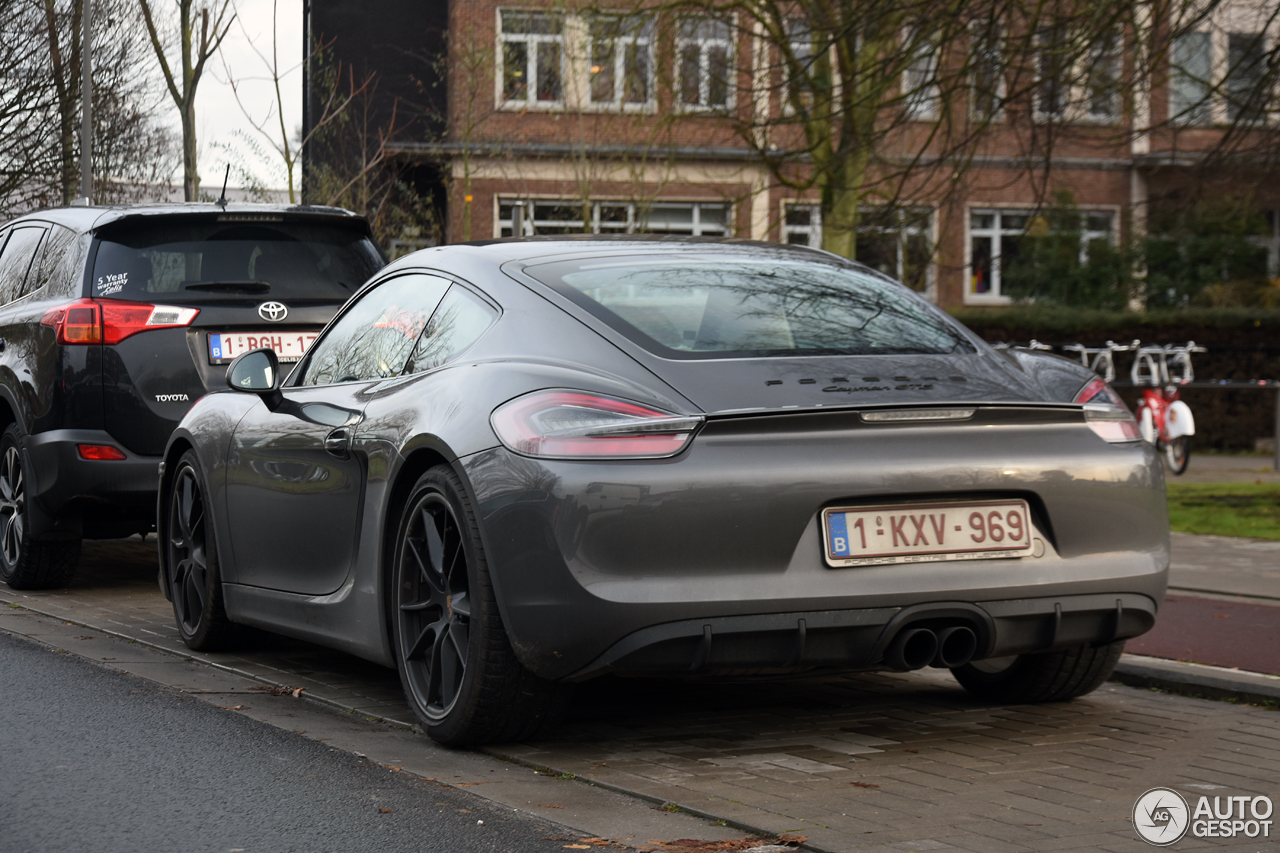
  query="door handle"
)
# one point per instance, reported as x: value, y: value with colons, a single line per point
x: 338, y: 443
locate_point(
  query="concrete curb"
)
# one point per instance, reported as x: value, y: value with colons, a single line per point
x: 1195, y: 679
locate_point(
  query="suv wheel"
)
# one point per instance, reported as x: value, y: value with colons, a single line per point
x: 24, y: 562
x: 1044, y: 677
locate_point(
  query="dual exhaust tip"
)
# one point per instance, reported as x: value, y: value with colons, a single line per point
x: 916, y: 648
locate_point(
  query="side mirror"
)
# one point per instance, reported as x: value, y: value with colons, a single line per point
x: 257, y: 372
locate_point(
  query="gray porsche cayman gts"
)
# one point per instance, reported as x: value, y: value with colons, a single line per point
x: 505, y: 467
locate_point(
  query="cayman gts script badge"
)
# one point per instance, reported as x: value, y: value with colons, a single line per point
x: 273, y: 312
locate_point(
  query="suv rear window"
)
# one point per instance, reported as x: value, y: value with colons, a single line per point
x: 718, y: 307
x: 180, y: 261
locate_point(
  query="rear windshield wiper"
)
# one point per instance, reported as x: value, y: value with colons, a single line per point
x: 230, y: 286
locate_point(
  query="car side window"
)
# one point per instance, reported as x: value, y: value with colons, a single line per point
x: 461, y: 318
x: 61, y: 264
x: 373, y: 338
x: 18, y: 254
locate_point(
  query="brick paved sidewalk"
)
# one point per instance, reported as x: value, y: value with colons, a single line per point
x: 871, y: 762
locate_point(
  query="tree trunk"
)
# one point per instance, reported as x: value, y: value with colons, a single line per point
x: 190, y: 178
x: 841, y: 193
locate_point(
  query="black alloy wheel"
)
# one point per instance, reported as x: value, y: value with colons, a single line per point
x: 459, y: 672
x: 24, y: 562
x: 191, y: 565
x: 435, y: 608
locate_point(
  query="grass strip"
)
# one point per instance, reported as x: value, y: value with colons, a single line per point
x: 1226, y: 509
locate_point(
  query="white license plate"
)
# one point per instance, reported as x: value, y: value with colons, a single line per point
x: 923, y: 533
x: 289, y: 346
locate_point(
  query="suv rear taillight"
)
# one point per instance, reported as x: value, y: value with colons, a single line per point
x: 88, y: 321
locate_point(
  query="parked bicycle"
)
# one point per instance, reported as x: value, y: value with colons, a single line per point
x: 1163, y: 418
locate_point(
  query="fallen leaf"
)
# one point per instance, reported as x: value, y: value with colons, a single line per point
x: 912, y: 750
x: 464, y: 811
x: 297, y: 692
x: 86, y: 637
x: 385, y: 811
x: 863, y: 785
x: 578, y: 846
x: 232, y: 707
x: 393, y: 766
x: 549, y: 806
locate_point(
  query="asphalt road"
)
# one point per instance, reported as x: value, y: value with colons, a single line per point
x: 99, y: 761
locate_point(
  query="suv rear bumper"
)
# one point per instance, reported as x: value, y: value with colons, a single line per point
x: 70, y: 496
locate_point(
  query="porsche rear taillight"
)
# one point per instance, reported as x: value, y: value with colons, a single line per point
x: 580, y: 425
x: 89, y: 321
x: 1106, y: 414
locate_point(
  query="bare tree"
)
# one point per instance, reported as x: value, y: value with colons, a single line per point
x: 289, y: 146
x: 199, y: 34
x: 25, y: 126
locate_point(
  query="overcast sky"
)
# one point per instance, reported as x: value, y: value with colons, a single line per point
x: 220, y: 120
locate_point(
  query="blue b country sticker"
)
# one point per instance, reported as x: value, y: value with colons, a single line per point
x: 839, y: 534
x: 215, y: 346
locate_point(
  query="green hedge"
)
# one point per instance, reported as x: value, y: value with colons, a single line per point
x: 1243, y: 344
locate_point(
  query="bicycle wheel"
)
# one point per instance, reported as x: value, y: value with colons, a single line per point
x: 1177, y: 453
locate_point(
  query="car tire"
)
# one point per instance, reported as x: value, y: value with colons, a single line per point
x: 191, y: 571
x: 456, y: 664
x: 1044, y: 677
x: 24, y: 562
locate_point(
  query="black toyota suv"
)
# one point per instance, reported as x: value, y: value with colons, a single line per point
x: 114, y: 321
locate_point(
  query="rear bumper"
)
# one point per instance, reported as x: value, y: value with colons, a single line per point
x: 622, y: 566
x: 71, y: 495
x: 858, y: 639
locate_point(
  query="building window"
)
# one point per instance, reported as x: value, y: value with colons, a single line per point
x: 987, y: 79
x: 897, y: 242
x: 1191, y: 80
x: 704, y: 55
x: 1051, y: 88
x: 532, y: 45
x: 920, y: 79
x: 996, y: 238
x: 621, y: 60
x: 1246, y: 77
x: 696, y: 219
x: 1103, y: 79
x: 798, y: 90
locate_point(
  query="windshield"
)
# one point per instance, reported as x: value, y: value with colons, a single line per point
x: 184, y: 260
x: 726, y: 308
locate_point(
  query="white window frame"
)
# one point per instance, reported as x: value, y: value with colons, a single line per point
x: 704, y: 65
x: 919, y: 82
x: 979, y: 48
x: 1074, y: 95
x: 813, y: 234
x: 995, y: 296
x: 1201, y: 113
x: 1115, y: 112
x: 637, y: 216
x: 533, y: 43
x: 641, y: 36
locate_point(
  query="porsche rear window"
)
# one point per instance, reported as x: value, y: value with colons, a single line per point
x: 727, y: 308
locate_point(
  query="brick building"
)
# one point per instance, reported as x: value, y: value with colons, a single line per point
x: 556, y: 120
